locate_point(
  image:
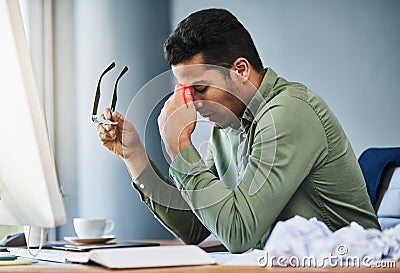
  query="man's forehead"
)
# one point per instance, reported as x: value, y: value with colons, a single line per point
x: 194, y: 74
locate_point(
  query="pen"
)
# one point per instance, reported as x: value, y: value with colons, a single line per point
x: 7, y: 257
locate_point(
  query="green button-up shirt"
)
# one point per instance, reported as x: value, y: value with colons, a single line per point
x: 289, y: 157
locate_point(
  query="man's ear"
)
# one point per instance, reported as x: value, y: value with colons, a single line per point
x: 242, y: 67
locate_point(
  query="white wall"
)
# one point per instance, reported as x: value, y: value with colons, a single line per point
x: 90, y: 35
x: 346, y: 51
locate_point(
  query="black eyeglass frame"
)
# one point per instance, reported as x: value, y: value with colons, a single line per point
x: 95, y: 117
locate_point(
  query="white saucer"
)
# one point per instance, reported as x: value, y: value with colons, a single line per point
x: 85, y: 241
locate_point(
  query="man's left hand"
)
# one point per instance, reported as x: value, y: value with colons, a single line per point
x: 177, y: 120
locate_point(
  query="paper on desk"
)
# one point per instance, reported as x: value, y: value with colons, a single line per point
x: 300, y: 240
x: 155, y: 256
x: 299, y: 237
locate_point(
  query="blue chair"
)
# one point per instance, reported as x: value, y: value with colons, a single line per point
x: 381, y: 170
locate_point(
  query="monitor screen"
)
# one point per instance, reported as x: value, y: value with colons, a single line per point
x: 29, y: 189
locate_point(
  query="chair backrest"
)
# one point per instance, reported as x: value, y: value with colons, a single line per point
x: 381, y: 170
x: 388, y: 200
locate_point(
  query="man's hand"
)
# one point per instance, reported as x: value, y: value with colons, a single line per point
x: 123, y: 140
x: 177, y: 120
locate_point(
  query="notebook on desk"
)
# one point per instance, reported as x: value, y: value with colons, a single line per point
x: 68, y: 253
x: 158, y: 256
x: 126, y: 257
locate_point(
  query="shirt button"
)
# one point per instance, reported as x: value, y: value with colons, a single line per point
x: 141, y: 186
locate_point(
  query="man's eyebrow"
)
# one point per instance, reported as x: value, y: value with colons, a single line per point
x: 200, y: 82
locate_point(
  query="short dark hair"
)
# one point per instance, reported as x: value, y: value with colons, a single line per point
x: 217, y: 34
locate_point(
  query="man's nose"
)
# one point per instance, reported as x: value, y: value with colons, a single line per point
x: 198, y: 104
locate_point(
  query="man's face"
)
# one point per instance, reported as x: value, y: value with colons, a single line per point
x: 216, y: 95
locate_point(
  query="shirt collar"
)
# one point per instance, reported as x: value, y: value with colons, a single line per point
x: 260, y: 98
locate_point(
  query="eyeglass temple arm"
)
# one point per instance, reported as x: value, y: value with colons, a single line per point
x: 114, y: 98
x: 97, y: 97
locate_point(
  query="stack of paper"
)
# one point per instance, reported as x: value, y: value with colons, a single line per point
x: 151, y: 256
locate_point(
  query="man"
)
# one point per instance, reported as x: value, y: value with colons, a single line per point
x: 276, y: 148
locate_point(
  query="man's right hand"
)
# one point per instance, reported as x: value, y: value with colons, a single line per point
x: 123, y: 140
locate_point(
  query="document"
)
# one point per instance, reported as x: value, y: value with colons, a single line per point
x: 159, y: 256
x: 52, y: 255
x: 127, y: 257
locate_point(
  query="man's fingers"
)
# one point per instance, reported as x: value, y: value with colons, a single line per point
x: 111, y: 129
x: 106, y: 126
x: 108, y: 113
x: 180, y: 92
x: 116, y: 116
x: 104, y: 133
x: 103, y: 127
x: 104, y: 137
x: 188, y: 94
x: 100, y: 127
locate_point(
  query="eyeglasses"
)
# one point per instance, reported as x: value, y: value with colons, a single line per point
x: 95, y: 118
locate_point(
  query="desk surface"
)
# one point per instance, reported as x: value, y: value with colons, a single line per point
x: 91, y: 268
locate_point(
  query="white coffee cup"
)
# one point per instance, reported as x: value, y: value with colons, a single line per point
x: 92, y: 228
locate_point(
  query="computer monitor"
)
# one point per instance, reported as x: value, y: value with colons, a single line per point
x: 29, y: 189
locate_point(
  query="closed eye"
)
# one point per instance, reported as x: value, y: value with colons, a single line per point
x: 200, y: 88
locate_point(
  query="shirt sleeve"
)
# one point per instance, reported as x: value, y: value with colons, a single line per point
x: 242, y: 217
x: 168, y: 206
